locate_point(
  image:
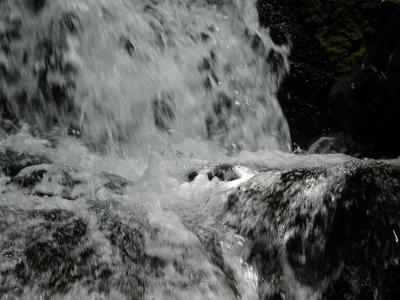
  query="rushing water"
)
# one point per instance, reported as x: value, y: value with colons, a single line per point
x: 149, y: 90
x: 137, y: 73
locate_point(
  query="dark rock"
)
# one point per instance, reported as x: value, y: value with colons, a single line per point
x: 339, y: 143
x: 29, y: 180
x: 192, y: 175
x: 74, y: 131
x: 51, y: 251
x: 326, y: 38
x: 365, y: 103
x: 223, y: 172
x: 11, y: 162
x: 337, y: 224
x: 304, y: 92
x: 116, y: 184
x: 47, y: 249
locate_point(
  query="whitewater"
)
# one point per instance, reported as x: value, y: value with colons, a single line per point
x: 151, y: 112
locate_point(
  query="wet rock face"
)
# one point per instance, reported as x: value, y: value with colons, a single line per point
x: 330, y: 232
x: 52, y: 250
x: 11, y: 162
x: 36, y: 175
x: 331, y: 40
x: 339, y: 143
x: 66, y: 232
x: 365, y: 103
x: 223, y: 172
x: 305, y: 91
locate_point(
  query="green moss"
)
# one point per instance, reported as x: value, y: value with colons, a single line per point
x: 341, y: 27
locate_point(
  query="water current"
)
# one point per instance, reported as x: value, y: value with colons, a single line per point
x: 150, y: 91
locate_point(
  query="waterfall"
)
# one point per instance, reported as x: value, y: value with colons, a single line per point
x: 144, y: 155
x: 130, y: 74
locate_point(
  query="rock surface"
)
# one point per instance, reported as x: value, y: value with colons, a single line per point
x: 68, y: 233
x: 329, y: 41
x: 365, y: 104
x: 304, y: 93
x: 326, y: 231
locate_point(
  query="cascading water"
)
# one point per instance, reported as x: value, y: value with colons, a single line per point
x: 127, y: 126
x: 133, y: 73
x: 159, y: 88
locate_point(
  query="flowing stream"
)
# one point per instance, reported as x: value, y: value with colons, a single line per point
x: 151, y: 91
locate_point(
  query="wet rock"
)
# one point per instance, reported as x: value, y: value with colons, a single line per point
x: 116, y: 184
x: 51, y: 251
x: 36, y: 175
x: 49, y: 244
x: 29, y: 179
x: 11, y: 162
x: 192, y: 176
x: 339, y: 143
x: 305, y: 90
x: 74, y: 131
x: 223, y: 173
x: 212, y: 244
x: 331, y: 232
x: 129, y: 242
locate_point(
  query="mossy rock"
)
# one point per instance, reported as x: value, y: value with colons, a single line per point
x: 342, y: 28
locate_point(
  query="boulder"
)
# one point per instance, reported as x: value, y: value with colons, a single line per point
x: 326, y: 232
